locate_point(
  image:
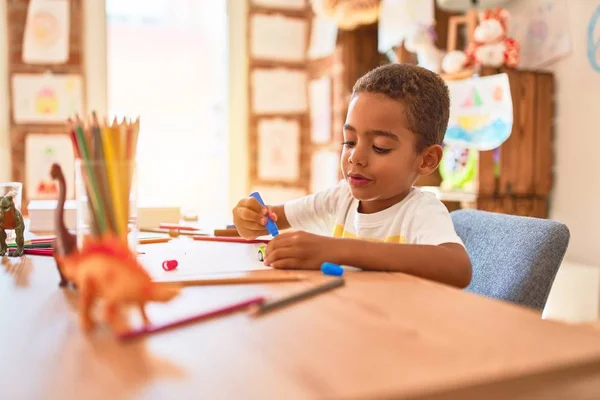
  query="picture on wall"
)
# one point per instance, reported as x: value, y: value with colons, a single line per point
x: 481, y: 112
x: 41, y: 151
x: 278, y: 149
x: 46, y: 98
x: 46, y: 36
x: 278, y: 90
x: 319, y: 92
x: 289, y: 44
x: 542, y: 31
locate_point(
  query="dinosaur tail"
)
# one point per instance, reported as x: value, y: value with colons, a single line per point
x: 59, y: 220
x: 163, y: 293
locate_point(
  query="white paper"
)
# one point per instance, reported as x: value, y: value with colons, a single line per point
x: 397, y: 18
x: 278, y: 38
x: 283, y: 4
x: 325, y: 170
x: 278, y: 149
x: 279, y: 91
x: 200, y: 259
x: 542, y: 31
x: 319, y: 91
x: 323, y: 38
x: 41, y: 151
x: 46, y: 97
x: 46, y: 36
x: 279, y: 194
x: 481, y: 112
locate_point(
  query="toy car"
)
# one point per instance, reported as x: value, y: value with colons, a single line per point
x: 261, y: 253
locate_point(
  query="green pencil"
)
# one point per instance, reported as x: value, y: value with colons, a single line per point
x: 276, y: 303
x: 97, y: 206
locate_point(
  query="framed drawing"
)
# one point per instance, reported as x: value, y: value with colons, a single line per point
x: 289, y: 44
x: 278, y: 150
x: 41, y: 151
x: 46, y: 98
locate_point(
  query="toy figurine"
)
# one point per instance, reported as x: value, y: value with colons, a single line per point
x: 11, y: 218
x: 104, y: 268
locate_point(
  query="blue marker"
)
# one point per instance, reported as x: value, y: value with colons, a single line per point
x: 332, y: 269
x: 271, y: 226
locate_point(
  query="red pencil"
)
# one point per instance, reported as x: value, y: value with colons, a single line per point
x: 36, y: 252
x: 176, y: 227
x: 206, y: 315
x: 229, y: 239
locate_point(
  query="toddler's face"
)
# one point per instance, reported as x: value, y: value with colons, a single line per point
x: 379, y: 159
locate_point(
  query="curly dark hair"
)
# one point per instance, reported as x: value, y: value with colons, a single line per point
x: 423, y: 94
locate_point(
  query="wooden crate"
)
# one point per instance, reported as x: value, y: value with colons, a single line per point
x: 521, y: 168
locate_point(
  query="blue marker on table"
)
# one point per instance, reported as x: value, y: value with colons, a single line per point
x: 332, y: 269
x: 271, y: 226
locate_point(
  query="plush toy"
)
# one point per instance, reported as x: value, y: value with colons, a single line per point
x: 421, y: 41
x: 491, y: 45
x: 455, y: 61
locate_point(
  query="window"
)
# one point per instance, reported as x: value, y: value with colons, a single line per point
x: 167, y: 63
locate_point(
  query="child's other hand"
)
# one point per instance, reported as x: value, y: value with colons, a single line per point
x: 250, y: 218
x: 298, y: 250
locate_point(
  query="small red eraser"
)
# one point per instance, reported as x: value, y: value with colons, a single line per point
x: 169, y: 265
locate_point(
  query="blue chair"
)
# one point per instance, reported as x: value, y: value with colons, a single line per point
x: 514, y: 258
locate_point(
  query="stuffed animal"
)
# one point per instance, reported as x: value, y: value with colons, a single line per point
x: 491, y: 45
x: 421, y: 41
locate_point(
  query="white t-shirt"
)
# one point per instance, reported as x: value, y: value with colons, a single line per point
x: 420, y: 218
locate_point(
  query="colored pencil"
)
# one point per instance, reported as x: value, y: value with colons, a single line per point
x: 234, y: 280
x: 151, y: 240
x: 229, y: 239
x: 280, y: 302
x: 200, y: 317
x: 106, y: 152
x: 35, y: 252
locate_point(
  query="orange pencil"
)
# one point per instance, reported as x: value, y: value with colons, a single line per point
x: 154, y: 240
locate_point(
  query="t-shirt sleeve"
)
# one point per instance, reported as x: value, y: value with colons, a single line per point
x: 314, y: 213
x: 433, y: 224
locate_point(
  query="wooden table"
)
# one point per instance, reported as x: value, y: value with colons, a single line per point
x: 382, y: 335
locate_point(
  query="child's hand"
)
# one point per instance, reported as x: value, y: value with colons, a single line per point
x: 250, y: 218
x: 299, y: 250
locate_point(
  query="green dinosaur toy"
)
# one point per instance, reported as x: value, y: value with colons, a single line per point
x: 11, y: 218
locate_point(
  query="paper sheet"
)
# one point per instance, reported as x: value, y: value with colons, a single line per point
x: 323, y: 38
x: 41, y: 151
x: 46, y: 97
x: 46, y: 36
x: 542, y: 31
x: 325, y: 170
x: 279, y: 90
x: 278, y: 38
x: 319, y: 92
x: 481, y: 112
x: 397, y: 18
x: 200, y: 258
x: 284, y: 4
x: 278, y: 149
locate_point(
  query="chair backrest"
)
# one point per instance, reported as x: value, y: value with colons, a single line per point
x: 514, y: 258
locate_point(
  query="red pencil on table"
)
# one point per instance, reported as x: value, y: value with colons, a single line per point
x: 229, y: 239
x: 36, y: 252
x: 206, y: 315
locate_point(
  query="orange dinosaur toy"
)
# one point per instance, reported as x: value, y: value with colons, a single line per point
x: 105, y: 268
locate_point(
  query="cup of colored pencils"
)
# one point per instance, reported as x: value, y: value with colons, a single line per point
x: 105, y: 177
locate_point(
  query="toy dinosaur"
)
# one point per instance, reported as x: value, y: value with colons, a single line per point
x: 11, y: 218
x: 104, y: 268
